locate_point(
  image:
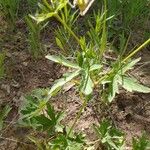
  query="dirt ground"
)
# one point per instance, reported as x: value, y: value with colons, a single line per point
x: 130, y: 112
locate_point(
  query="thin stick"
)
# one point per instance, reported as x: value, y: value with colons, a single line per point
x: 13, y: 140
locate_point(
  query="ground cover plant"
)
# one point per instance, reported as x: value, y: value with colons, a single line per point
x: 34, y: 37
x: 10, y: 10
x: 127, y: 15
x: 92, y: 68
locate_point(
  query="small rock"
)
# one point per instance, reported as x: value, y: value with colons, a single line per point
x: 8, y: 54
x: 2, y: 94
x: 51, y: 79
x: 18, y: 99
x: 25, y: 64
x: 6, y: 87
x: 15, y: 84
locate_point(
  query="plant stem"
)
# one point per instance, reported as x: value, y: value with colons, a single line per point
x: 68, y: 28
x: 79, y: 114
x: 124, y: 60
x: 136, y: 50
x: 104, y: 34
x: 13, y: 140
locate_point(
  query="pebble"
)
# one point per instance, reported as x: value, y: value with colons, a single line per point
x: 6, y: 87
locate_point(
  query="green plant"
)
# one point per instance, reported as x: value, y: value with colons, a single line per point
x: 89, y: 70
x: 61, y: 142
x: 48, y: 121
x: 127, y: 17
x: 91, y: 75
x: 10, y: 10
x: 134, y: 8
x: 34, y: 105
x: 63, y: 38
x: 142, y: 143
x: 110, y: 137
x: 127, y: 11
x: 32, y: 4
x: 2, y: 67
x: 114, y: 8
x: 34, y: 37
x: 89, y: 64
x: 113, y: 139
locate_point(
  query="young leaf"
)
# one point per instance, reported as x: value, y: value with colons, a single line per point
x: 104, y: 37
x: 41, y: 17
x: 63, y: 61
x: 61, y: 5
x: 113, y: 88
x: 35, y: 103
x: 51, y: 120
x: 40, y: 107
x: 51, y: 12
x: 45, y: 122
x: 131, y: 84
x: 59, y: 43
x: 80, y: 59
x: 62, y: 142
x: 129, y: 65
x: 111, y: 137
x: 95, y: 67
x: 60, y: 82
x: 87, y: 85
